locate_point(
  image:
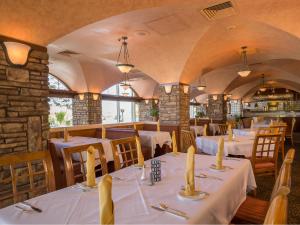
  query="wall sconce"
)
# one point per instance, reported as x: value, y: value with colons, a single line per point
x: 215, y: 97
x: 17, y: 53
x: 147, y: 101
x: 168, y: 88
x: 186, y: 89
x: 156, y: 101
x: 95, y: 97
x: 81, y: 97
x: 225, y: 97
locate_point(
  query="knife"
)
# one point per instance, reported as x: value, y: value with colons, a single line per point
x: 32, y: 207
x: 171, y: 212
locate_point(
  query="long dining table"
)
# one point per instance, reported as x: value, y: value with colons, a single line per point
x: 133, y: 197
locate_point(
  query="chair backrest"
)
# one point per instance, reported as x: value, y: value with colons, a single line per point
x: 290, y: 155
x: 26, y: 175
x: 75, y: 162
x: 266, y: 130
x: 187, y: 139
x: 124, y: 152
x: 280, y: 129
x: 278, y: 211
x: 283, y: 181
x: 265, y: 148
x: 223, y: 129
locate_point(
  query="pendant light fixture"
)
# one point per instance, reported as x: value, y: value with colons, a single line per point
x: 125, y: 65
x: 244, y: 70
x: 125, y: 84
x: 201, y: 87
x: 263, y: 87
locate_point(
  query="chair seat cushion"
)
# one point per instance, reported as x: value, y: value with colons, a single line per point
x: 252, y: 210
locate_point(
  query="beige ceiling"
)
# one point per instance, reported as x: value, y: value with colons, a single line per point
x: 169, y: 41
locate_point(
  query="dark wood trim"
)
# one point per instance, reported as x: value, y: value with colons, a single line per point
x: 121, y: 98
x: 62, y: 93
x: 195, y: 103
x: 33, y: 46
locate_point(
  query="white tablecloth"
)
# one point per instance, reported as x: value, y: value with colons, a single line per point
x: 245, y: 132
x: 132, y: 199
x: 152, y: 138
x: 198, y: 129
x: 77, y: 141
x: 240, y: 146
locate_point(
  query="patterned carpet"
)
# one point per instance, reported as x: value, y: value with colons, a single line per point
x: 265, y: 186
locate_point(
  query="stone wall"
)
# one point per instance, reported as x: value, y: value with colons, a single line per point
x: 24, y: 104
x: 87, y: 111
x: 174, y: 108
x: 217, y: 109
x: 145, y: 110
x: 23, y: 112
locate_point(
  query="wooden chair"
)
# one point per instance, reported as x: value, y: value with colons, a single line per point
x: 290, y: 132
x: 187, y: 139
x: 222, y: 129
x: 124, y: 149
x: 138, y: 127
x: 281, y: 129
x: 278, y: 211
x: 27, y: 175
x: 265, y: 154
x: 75, y: 162
x: 254, y: 210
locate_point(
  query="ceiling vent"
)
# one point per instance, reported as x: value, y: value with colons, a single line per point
x: 68, y: 53
x: 214, y: 12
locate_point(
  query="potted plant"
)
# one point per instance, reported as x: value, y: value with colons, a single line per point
x: 154, y: 113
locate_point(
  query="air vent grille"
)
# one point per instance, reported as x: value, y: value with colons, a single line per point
x: 218, y: 11
x: 68, y: 53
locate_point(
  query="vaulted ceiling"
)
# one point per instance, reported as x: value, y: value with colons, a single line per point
x: 169, y: 41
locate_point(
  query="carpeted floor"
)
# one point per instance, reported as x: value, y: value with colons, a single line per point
x: 265, y: 186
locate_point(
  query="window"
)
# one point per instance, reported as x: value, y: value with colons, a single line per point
x: 55, y: 83
x: 60, y: 107
x: 118, y: 111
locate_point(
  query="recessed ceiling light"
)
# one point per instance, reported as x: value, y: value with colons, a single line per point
x: 141, y: 33
x: 231, y: 27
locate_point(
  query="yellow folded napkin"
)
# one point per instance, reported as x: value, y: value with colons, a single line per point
x: 229, y: 133
x: 158, y: 126
x: 219, y: 156
x: 103, y: 132
x: 106, y: 205
x: 252, y: 124
x: 205, y: 130
x: 189, y: 172
x: 139, y: 151
x: 90, y: 167
x: 66, y: 135
x: 195, y: 121
x: 174, y: 143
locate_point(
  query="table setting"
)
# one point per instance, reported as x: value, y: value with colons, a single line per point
x: 188, y: 191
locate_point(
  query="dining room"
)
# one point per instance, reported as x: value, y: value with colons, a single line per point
x: 149, y: 112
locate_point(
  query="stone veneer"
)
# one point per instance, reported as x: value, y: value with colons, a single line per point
x: 24, y: 104
x: 174, y: 108
x: 23, y: 113
x: 217, y: 109
x: 145, y: 110
x: 87, y: 111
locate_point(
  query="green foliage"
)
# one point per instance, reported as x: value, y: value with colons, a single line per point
x: 200, y: 114
x: 60, y: 117
x: 154, y: 112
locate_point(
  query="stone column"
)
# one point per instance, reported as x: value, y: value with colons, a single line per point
x: 24, y: 103
x: 88, y: 110
x: 146, y: 108
x: 174, y: 108
x: 217, y: 107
